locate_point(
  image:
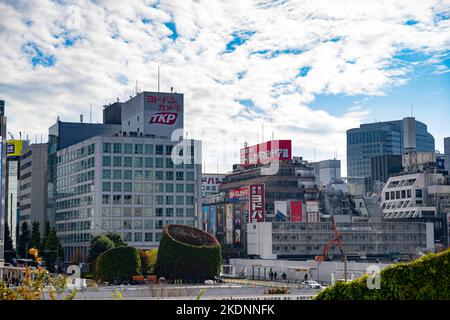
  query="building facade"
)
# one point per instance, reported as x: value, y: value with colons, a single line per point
x: 2, y: 179
x: 381, y: 138
x: 33, y: 185
x: 447, y: 154
x: 211, y: 183
x: 385, y: 166
x: 327, y: 171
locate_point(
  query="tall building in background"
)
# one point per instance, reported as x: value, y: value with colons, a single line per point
x: 13, y: 151
x: 327, y: 171
x: 381, y: 138
x: 33, y: 185
x: 447, y: 154
x: 2, y: 179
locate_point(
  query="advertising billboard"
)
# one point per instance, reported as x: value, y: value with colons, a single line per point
x: 163, y: 113
x: 265, y: 153
x: 312, y: 206
x: 211, y: 183
x: 228, y: 223
x: 280, y: 208
x: 237, y: 194
x: 212, y: 219
x: 257, y: 203
x: 237, y: 224
x: 204, y: 220
x: 14, y: 148
x: 296, y: 211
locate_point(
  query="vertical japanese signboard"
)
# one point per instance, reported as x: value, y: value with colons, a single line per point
x: 212, y: 219
x: 229, y: 223
x: 257, y: 203
x: 296, y: 211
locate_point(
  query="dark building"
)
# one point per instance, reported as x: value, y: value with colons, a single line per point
x: 386, y: 166
x: 112, y: 114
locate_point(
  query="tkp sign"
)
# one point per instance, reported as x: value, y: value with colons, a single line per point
x: 168, y: 118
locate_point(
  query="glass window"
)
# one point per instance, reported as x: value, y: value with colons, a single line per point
x: 180, y: 187
x: 138, y: 162
x: 138, y: 237
x: 106, y: 147
x: 159, y: 175
x: 106, y: 174
x: 148, y: 162
x: 159, y: 162
x: 106, y: 161
x: 148, y: 187
x: 106, y: 186
x: 169, y: 163
x: 148, y: 200
x: 117, y: 161
x: 169, y: 187
x: 169, y: 212
x: 169, y: 199
x: 127, y: 236
x: 127, y: 212
x: 138, y: 148
x: 127, y: 224
x: 138, y: 224
x: 180, y: 212
x: 189, y: 188
x: 180, y: 200
x: 158, y: 212
x: 127, y: 161
x: 117, y: 187
x: 169, y: 175
x: 127, y: 187
x: 117, y: 148
x: 128, y: 148
x: 117, y: 212
x: 148, y: 212
x: 158, y: 236
x: 159, y: 187
x: 148, y: 149
x: 138, y: 175
x: 189, y: 212
x: 149, y: 236
x: 127, y: 199
x: 138, y: 199
x: 127, y: 174
x: 117, y: 199
x: 159, y: 224
x: 106, y: 224
x: 169, y: 149
x: 148, y: 224
x: 116, y: 224
x: 159, y: 149
x: 159, y: 200
x: 180, y: 175
x: 106, y: 199
x: 106, y: 212
x: 149, y: 175
x: 117, y: 174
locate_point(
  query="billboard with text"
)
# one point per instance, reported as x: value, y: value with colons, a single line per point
x: 296, y: 211
x: 257, y: 203
x: 265, y: 153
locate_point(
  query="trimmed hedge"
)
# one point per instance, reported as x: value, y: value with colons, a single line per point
x: 120, y: 263
x: 427, y: 278
x: 188, y: 253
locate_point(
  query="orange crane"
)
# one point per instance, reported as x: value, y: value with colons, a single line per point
x: 336, y: 240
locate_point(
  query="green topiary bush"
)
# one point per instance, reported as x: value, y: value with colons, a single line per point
x: 188, y: 253
x: 427, y: 278
x: 118, y: 264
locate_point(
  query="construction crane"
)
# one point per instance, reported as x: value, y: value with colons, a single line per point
x: 335, y: 241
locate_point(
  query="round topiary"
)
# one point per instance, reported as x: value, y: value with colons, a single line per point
x: 188, y: 253
x: 118, y: 264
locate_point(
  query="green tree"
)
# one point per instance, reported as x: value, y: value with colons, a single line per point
x: 52, y: 250
x: 117, y: 239
x: 99, y: 244
x: 35, y: 241
x: 46, y: 233
x: 24, y: 240
x: 9, y: 246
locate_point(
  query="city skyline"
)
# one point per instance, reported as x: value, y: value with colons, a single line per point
x: 307, y: 71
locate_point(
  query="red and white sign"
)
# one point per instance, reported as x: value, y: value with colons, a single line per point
x: 168, y: 118
x: 163, y: 112
x: 257, y: 203
x: 238, y: 193
x: 265, y: 153
x: 296, y: 211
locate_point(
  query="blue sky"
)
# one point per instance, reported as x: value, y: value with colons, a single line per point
x: 302, y: 70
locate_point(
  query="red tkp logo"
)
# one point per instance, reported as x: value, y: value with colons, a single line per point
x: 164, y: 118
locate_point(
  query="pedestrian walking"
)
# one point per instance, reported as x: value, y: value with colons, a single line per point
x: 283, y: 276
x: 275, y: 276
x: 271, y: 275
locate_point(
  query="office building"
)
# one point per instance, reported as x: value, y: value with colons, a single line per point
x: 385, y: 166
x: 447, y: 154
x: 326, y: 171
x: 2, y: 179
x: 13, y: 152
x: 382, y: 138
x: 33, y: 185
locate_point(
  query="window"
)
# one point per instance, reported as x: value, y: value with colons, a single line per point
x: 159, y: 187
x: 117, y: 212
x: 189, y: 200
x: 418, y: 193
x: 386, y: 195
x: 159, y: 175
x: 128, y: 148
x: 159, y: 149
x: 169, y: 199
x: 158, y: 236
x: 117, y: 148
x: 106, y: 186
x: 190, y: 175
x: 159, y: 212
x: 180, y: 212
x: 107, y: 147
x: 148, y: 200
x: 169, y: 163
x: 138, y: 162
x: 127, y: 224
x: 169, y: 187
x: 138, y: 175
x: 159, y: 200
x: 138, y: 237
x: 106, y: 199
x: 138, y: 224
x: 148, y: 224
x: 138, y: 187
x: 159, y: 224
x: 180, y: 187
x: 106, y: 212
x: 169, y: 149
x: 408, y: 193
x: 169, y: 212
x: 117, y: 187
x: 149, y: 175
x: 148, y: 212
x: 127, y: 187
x: 106, y: 161
x: 189, y: 188
x: 148, y: 149
x: 189, y: 212
x: 127, y: 161
x: 180, y: 200
x: 169, y: 175
x: 148, y: 162
x: 106, y: 224
x: 117, y: 174
x: 106, y: 174
x: 127, y: 199
x: 138, y: 148
x: 149, y: 237
x: 127, y: 174
x: 117, y: 199
x: 127, y: 212
x: 159, y: 162
x: 117, y: 161
x: 180, y: 175
x: 117, y: 224
x: 148, y: 187
x: 127, y: 236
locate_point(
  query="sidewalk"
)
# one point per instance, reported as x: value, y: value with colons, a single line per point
x: 264, y: 283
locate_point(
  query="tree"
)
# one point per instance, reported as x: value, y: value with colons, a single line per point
x: 99, y: 245
x: 118, y: 264
x: 35, y: 241
x: 46, y: 233
x: 52, y: 250
x: 24, y: 240
x: 9, y: 246
x: 117, y: 239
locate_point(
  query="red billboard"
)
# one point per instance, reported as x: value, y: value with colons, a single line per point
x: 296, y: 211
x: 257, y: 203
x: 265, y: 153
x: 238, y: 194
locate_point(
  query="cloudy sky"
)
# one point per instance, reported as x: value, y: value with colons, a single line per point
x: 303, y: 70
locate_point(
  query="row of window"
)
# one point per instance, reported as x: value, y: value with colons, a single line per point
x: 138, y: 212
x: 138, y: 148
x: 75, y: 167
x: 76, y: 154
x: 108, y: 174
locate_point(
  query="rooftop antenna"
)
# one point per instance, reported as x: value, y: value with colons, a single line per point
x: 171, y: 89
x: 158, y: 78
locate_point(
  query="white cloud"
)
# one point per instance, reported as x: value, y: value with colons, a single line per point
x: 349, y: 47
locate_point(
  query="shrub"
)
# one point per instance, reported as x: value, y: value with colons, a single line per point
x: 152, y: 256
x: 425, y: 278
x: 99, y: 245
x: 145, y: 262
x: 188, y: 253
x: 118, y: 264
